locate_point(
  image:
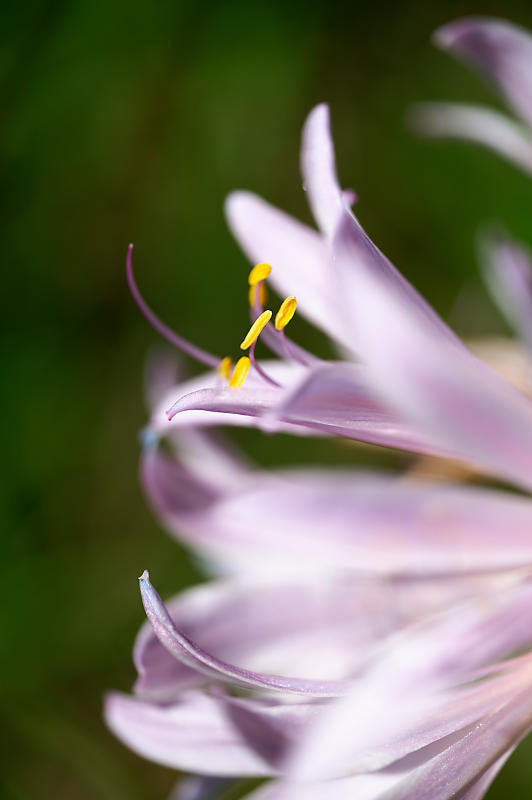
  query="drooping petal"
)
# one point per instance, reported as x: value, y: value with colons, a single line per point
x: 193, y: 734
x: 308, y: 626
x: 333, y: 400
x: 313, y: 520
x: 442, y: 389
x: 500, y: 50
x: 476, y: 124
x: 187, y: 651
x: 318, y: 167
x: 508, y: 270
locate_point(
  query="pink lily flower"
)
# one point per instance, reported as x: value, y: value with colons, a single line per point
x: 502, y: 52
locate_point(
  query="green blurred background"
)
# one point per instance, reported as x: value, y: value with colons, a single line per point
x: 131, y: 122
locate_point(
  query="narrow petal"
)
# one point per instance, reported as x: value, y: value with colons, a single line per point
x: 185, y: 650
x: 310, y: 626
x: 508, y: 270
x: 440, y: 387
x: 193, y: 735
x: 333, y: 399
x: 500, y: 50
x: 318, y: 166
x: 476, y: 124
x: 275, y: 522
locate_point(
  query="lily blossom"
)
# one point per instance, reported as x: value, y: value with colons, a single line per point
x: 302, y: 394
x: 502, y: 52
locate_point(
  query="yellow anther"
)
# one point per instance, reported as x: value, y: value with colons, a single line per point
x: 285, y: 313
x: 260, y: 289
x: 239, y: 373
x: 259, y: 273
x: 224, y: 367
x: 254, y: 332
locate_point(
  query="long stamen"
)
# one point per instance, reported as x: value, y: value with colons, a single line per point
x: 258, y: 368
x: 275, y: 339
x: 167, y: 333
x: 250, y: 340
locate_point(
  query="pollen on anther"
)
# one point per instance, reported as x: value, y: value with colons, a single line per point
x: 259, y: 273
x: 224, y: 367
x: 254, y: 332
x: 285, y: 313
x: 239, y: 373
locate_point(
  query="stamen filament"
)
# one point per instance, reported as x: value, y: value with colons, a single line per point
x: 263, y: 374
x: 167, y: 333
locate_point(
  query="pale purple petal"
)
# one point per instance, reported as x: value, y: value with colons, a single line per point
x: 194, y: 735
x: 441, y: 388
x: 403, y: 704
x: 465, y: 762
x: 375, y: 523
x: 500, y: 50
x: 309, y: 626
x: 475, y: 124
x: 508, y: 270
x: 318, y: 167
x: 187, y: 651
x: 333, y: 400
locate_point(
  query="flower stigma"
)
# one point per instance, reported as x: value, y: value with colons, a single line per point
x: 239, y: 373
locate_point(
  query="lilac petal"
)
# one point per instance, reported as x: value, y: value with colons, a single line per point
x: 193, y: 734
x: 508, y: 270
x: 271, y: 729
x: 328, y: 400
x: 185, y: 650
x: 443, y: 389
x: 476, y: 124
x: 338, y: 399
x: 375, y: 523
x: 402, y: 705
x: 500, y: 50
x: 299, y: 256
x: 318, y: 167
x: 307, y: 626
x: 480, y: 787
x: 465, y: 762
